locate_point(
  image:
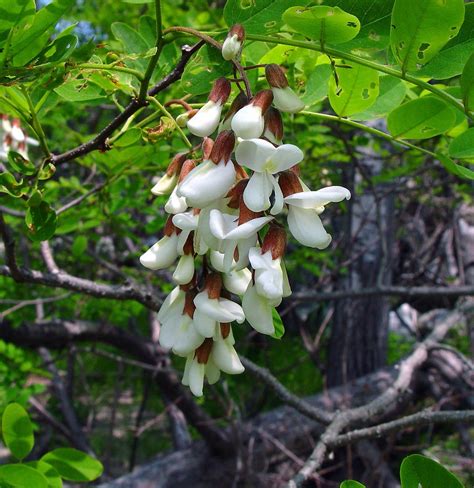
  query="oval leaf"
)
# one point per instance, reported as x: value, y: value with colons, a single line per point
x: 73, y: 465
x: 323, y: 23
x: 17, y: 430
x: 467, y: 84
x: 51, y: 475
x: 419, y: 470
x: 351, y: 484
x: 22, y: 476
x: 355, y: 89
x: 421, y: 118
x: 421, y: 28
x: 41, y: 222
x: 463, y: 146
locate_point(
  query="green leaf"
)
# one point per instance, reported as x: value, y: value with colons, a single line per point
x: 14, y: 12
x: 129, y: 137
x: 28, y: 41
x: 51, y: 475
x: 322, y: 23
x: 17, y: 430
x: 206, y: 66
x: 392, y: 93
x: 79, y: 90
x: 22, y: 476
x: 317, y: 84
x: 41, y: 222
x: 355, y: 89
x: 20, y: 164
x: 79, y: 246
x: 421, y: 118
x: 351, y: 484
x: 463, y: 146
x: 35, y: 199
x: 456, y: 169
x: 132, y: 41
x: 257, y: 16
x: 467, y: 84
x: 47, y: 171
x: 278, y: 324
x: 419, y: 470
x: 73, y: 465
x: 421, y: 28
x: 8, y: 184
x: 138, y: 1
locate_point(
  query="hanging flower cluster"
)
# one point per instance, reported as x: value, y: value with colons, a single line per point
x: 13, y: 138
x: 224, y: 230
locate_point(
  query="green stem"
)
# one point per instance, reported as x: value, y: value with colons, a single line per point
x: 365, y: 128
x: 314, y: 46
x: 165, y: 112
x: 110, y: 67
x: 35, y: 123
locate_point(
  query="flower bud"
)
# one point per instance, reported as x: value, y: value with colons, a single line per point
x: 275, y: 241
x: 289, y: 183
x: 168, y: 181
x: 285, y: 99
x: 206, y: 146
x: 223, y: 147
x: 182, y: 119
x: 232, y: 46
x: 206, y: 120
x: 273, y: 126
x: 239, y: 102
x: 248, y: 122
x: 203, y: 351
x: 236, y: 193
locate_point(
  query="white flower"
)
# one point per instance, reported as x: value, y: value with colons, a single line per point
x: 265, y: 160
x: 231, y: 47
x: 303, y: 214
x: 219, y: 309
x: 180, y: 335
x: 258, y: 311
x: 185, y: 270
x: 175, y: 204
x: 223, y: 354
x: 286, y: 100
x: 231, y: 235
x: 237, y: 281
x: 194, y: 373
x: 162, y: 254
x: 165, y: 185
x: 173, y: 304
x: 248, y: 122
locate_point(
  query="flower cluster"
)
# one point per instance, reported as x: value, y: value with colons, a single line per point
x: 13, y: 138
x: 224, y: 229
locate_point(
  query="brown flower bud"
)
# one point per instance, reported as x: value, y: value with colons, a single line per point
x: 188, y: 247
x: 263, y: 99
x: 275, y: 76
x: 289, y: 183
x: 225, y: 330
x: 236, y: 192
x: 223, y: 147
x: 237, y: 30
x: 220, y: 91
x: 206, y: 146
x: 274, y: 124
x: 204, y: 350
x: 245, y: 214
x: 240, y: 172
x: 213, y: 285
x: 187, y: 167
x: 275, y: 241
x: 170, y: 228
x: 189, y: 306
x: 176, y: 164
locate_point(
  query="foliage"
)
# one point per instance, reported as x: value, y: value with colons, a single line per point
x: 49, y: 471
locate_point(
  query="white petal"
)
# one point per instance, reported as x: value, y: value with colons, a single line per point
x: 196, y: 377
x: 162, y: 254
x: 186, y: 221
x: 307, y: 228
x: 286, y: 100
x: 258, y: 311
x: 217, y: 260
x: 268, y: 274
x: 231, y: 47
x: 187, y: 338
x: 278, y: 198
x: 220, y: 223
x: 204, y: 231
x: 173, y: 300
x: 319, y: 198
x: 286, y: 281
x: 165, y: 185
x: 225, y: 357
x: 175, y: 204
x: 248, y: 229
x: 248, y: 122
x: 222, y: 310
x: 285, y: 157
x: 185, y: 270
x: 187, y: 367
x: 213, y: 373
x: 254, y: 153
x: 258, y: 191
x: 243, y: 247
x: 205, y: 122
x: 204, y: 324
x: 168, y: 334
x: 237, y: 281
x: 206, y: 183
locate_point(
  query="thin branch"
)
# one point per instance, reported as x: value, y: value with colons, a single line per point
x: 419, y: 419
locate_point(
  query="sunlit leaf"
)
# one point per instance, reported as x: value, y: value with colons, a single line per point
x: 17, y: 430
x: 73, y: 465
x: 417, y: 470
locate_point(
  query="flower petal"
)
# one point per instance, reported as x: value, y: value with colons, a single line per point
x: 254, y: 153
x: 174, y: 300
x: 248, y: 229
x: 307, y: 228
x: 237, y: 281
x: 162, y: 254
x: 225, y: 357
x: 165, y: 185
x: 248, y: 122
x: 258, y: 191
x: 258, y: 311
x: 204, y: 324
x: 184, y: 272
x: 196, y: 377
x: 206, y: 120
x: 319, y: 198
x: 286, y: 100
x: 222, y: 310
x: 277, y: 198
x: 286, y: 156
x: 175, y: 204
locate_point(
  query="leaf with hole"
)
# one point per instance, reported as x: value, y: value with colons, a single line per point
x: 417, y: 470
x: 421, y: 118
x: 463, y: 146
x: 354, y: 88
x: 80, y: 90
x: 322, y: 23
x: 17, y: 430
x: 420, y: 29
x: 73, y: 465
x: 41, y: 222
x: 257, y: 16
x: 20, y: 164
